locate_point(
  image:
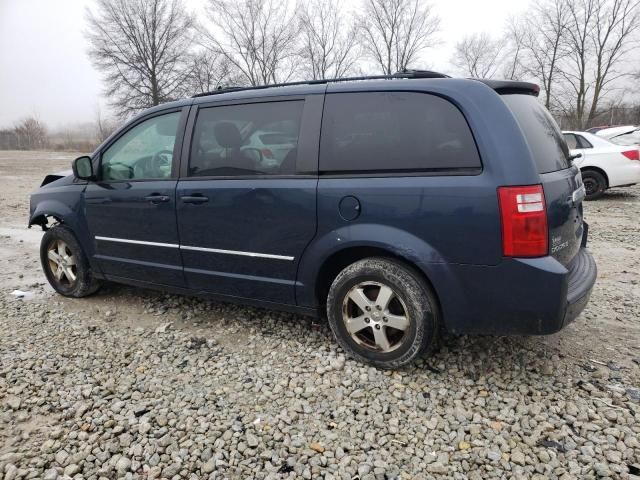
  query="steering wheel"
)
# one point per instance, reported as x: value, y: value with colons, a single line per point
x: 160, y: 159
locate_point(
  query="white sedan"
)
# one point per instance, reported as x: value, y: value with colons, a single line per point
x: 603, y: 164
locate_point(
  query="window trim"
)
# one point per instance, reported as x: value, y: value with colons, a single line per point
x: 177, y: 146
x: 422, y: 172
x: 308, y: 138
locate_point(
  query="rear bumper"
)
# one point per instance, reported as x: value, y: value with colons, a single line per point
x: 581, y: 279
x: 536, y: 296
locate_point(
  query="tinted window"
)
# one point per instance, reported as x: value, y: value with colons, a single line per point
x: 144, y: 152
x: 394, y: 131
x: 543, y: 136
x: 583, y: 142
x: 249, y: 139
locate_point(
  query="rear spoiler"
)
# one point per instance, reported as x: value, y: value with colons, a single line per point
x: 509, y: 87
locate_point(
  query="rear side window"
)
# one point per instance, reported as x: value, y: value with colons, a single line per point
x: 247, y: 139
x: 543, y: 136
x: 394, y: 131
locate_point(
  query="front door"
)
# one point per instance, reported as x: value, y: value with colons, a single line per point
x: 246, y: 210
x: 130, y: 209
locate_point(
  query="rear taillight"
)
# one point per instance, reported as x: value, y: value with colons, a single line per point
x: 266, y: 153
x: 632, y: 154
x: 524, y: 221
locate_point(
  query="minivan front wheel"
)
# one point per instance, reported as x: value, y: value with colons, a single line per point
x: 382, y: 312
x: 65, y: 264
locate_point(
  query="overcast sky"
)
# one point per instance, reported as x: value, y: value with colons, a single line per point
x: 44, y: 68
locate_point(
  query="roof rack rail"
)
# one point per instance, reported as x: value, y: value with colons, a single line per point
x: 400, y: 74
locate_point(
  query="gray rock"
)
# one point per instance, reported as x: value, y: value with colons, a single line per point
x: 252, y: 440
x: 123, y: 465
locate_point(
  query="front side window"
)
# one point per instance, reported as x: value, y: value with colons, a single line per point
x: 394, y: 131
x: 247, y: 139
x: 144, y: 152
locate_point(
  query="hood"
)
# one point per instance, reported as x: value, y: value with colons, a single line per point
x: 52, y: 177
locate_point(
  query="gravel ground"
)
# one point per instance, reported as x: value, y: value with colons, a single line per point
x: 137, y: 384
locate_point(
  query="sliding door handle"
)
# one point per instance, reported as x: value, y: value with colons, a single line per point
x: 196, y: 199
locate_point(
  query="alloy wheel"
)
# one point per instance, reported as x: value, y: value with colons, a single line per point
x: 375, y: 316
x: 62, y: 263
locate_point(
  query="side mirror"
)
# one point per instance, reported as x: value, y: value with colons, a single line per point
x: 83, y: 168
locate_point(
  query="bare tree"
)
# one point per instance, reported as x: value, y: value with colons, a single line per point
x: 104, y: 126
x: 615, y: 23
x: 478, y: 55
x: 396, y: 31
x: 544, y: 31
x: 329, y: 44
x: 599, y: 34
x: 257, y: 37
x: 514, y: 49
x: 140, y: 47
x: 208, y: 71
x: 31, y: 134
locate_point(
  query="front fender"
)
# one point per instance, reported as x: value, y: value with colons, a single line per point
x: 397, y: 242
x: 50, y: 208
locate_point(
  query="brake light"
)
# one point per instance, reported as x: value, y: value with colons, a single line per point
x: 632, y: 154
x: 266, y: 153
x: 524, y: 221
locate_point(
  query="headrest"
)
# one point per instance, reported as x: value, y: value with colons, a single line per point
x: 227, y: 135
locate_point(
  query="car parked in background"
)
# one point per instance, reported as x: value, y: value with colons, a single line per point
x: 626, y: 135
x: 603, y: 164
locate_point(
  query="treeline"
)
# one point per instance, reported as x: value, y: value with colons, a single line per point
x: 152, y: 51
x: 583, y: 54
x: 31, y: 133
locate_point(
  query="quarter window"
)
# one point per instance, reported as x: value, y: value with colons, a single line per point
x: 394, y: 131
x: 583, y: 142
x: 247, y: 139
x: 144, y: 152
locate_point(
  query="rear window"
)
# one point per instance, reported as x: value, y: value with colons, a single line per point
x: 394, y: 131
x: 543, y: 136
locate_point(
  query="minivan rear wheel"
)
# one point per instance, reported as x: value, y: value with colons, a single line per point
x: 382, y: 312
x: 65, y: 265
x: 594, y: 184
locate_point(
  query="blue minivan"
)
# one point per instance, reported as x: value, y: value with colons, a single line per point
x: 395, y: 206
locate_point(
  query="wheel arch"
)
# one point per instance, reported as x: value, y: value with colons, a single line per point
x: 332, y: 251
x: 342, y: 258
x: 50, y: 209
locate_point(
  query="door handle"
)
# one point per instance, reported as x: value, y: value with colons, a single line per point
x: 195, y: 198
x: 157, y: 198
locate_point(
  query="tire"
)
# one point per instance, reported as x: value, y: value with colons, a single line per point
x: 594, y: 183
x: 402, y: 289
x: 66, y: 250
